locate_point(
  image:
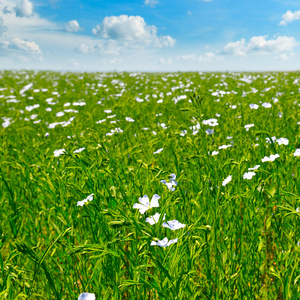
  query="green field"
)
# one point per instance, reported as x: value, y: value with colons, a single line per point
x: 230, y: 139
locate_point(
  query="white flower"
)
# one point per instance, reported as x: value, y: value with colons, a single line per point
x: 154, y: 219
x: 60, y: 114
x: 209, y: 131
x: 254, y: 168
x: 248, y: 126
x: 297, y: 152
x: 171, y: 183
x: 183, y: 133
x: 59, y: 152
x: 108, y: 111
x: 224, y: 146
x: 271, y: 158
x: 249, y: 175
x: 88, y: 198
x: 226, y: 180
x: 173, y: 225
x: 215, y: 153
x: 145, y: 204
x: 87, y: 296
x: 210, y: 122
x: 164, y: 243
x: 78, y: 150
x: 283, y: 141
x: 266, y: 105
x: 128, y: 119
x: 158, y: 151
x: 253, y: 106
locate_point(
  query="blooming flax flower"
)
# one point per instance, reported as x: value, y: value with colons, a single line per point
x: 254, y: 168
x: 170, y: 185
x: 226, y: 180
x: 271, y: 158
x: 297, y: 152
x: 173, y: 225
x: 145, y: 204
x: 164, y: 243
x: 59, y: 152
x: 158, y: 151
x: 248, y: 175
x: 88, y: 198
x: 154, y: 219
x: 87, y: 296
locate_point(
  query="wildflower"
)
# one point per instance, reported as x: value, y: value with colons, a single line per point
x: 266, y: 105
x: 183, y: 133
x: 283, y: 141
x: 271, y: 158
x: 209, y: 131
x: 164, y: 243
x: 172, y: 182
x: 297, y: 152
x: 215, y: 153
x: 88, y: 198
x: 225, y: 181
x: 158, y: 151
x: 248, y: 175
x: 254, y: 168
x: 108, y: 111
x: 87, y: 296
x: 253, y: 106
x: 154, y: 219
x: 210, y: 122
x: 78, y: 150
x: 128, y: 119
x: 59, y: 152
x: 60, y: 114
x: 225, y: 146
x: 248, y: 126
x: 173, y: 225
x: 145, y: 204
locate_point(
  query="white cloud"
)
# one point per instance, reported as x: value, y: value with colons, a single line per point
x: 72, y: 26
x: 207, y: 57
x: 21, y: 45
x: 2, y: 27
x: 109, y: 47
x: 151, y: 3
x: 260, y: 45
x: 132, y: 31
x: 290, y: 16
x: 24, y: 9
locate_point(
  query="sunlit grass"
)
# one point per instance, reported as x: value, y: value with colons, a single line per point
x: 77, y: 152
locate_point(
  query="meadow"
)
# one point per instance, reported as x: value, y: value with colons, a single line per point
x: 149, y: 186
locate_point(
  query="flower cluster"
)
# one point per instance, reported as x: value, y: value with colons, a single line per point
x: 146, y: 204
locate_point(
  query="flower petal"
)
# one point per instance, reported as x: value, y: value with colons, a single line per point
x: 144, y: 200
x: 154, y: 201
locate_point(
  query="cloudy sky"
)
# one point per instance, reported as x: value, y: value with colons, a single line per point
x: 150, y: 35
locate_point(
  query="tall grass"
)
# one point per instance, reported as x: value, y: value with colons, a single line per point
x: 241, y: 239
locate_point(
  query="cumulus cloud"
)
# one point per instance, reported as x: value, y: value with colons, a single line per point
x: 2, y: 27
x: 24, y: 9
x: 109, y: 47
x: 21, y: 45
x: 132, y: 31
x: 151, y: 3
x: 72, y: 26
x: 260, y: 45
x: 290, y: 16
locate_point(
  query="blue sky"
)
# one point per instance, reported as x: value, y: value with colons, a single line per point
x: 150, y: 35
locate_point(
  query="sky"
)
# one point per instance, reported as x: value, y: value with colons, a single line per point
x: 150, y: 35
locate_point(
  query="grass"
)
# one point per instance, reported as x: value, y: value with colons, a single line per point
x: 241, y: 240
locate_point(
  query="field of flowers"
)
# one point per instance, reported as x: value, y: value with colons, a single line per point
x: 147, y: 186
